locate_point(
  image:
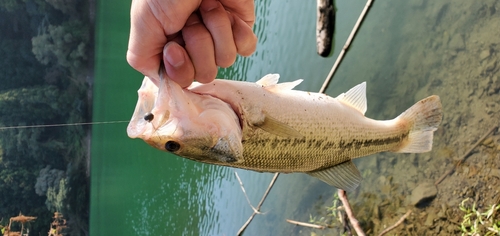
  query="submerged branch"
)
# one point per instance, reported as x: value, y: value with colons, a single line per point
x: 306, y: 224
x: 466, y: 154
x: 350, y: 215
x: 396, y: 224
x: 245, y: 193
x: 257, y: 209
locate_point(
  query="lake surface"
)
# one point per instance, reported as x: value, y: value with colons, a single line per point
x: 137, y: 190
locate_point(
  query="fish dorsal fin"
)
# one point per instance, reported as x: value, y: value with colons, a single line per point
x: 278, y: 128
x: 270, y: 82
x: 344, y: 176
x: 269, y: 79
x: 355, y: 97
x: 285, y: 85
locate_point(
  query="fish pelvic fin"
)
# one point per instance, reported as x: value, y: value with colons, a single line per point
x: 343, y: 176
x: 424, y: 118
x: 355, y: 97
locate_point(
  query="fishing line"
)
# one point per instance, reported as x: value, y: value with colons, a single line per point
x: 61, y: 125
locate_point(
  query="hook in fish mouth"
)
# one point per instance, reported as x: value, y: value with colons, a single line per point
x: 149, y: 117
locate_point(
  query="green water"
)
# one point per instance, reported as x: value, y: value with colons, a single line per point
x: 137, y: 190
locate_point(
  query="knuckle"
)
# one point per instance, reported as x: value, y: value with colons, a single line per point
x: 226, y: 60
x: 133, y: 61
x: 247, y: 47
x: 206, y: 76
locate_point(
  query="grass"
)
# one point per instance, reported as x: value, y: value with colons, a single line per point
x: 333, y: 217
x: 476, y: 222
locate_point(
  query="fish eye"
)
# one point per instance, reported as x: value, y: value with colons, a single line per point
x: 172, y: 146
x: 149, y: 117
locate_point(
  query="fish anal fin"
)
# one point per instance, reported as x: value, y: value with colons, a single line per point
x: 355, y: 97
x: 343, y: 176
x: 278, y: 128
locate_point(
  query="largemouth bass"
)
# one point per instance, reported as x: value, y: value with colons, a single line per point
x: 269, y: 127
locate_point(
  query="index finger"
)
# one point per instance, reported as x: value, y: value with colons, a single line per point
x: 151, y: 21
x: 146, y: 39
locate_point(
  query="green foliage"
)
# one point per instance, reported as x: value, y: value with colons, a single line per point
x: 333, y: 216
x: 44, y: 47
x: 67, y: 7
x: 10, y: 5
x: 31, y: 105
x: 64, y: 45
x: 19, y: 67
x: 48, y: 179
x: 56, y: 196
x: 479, y: 223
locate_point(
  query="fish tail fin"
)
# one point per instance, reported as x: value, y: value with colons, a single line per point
x: 424, y: 118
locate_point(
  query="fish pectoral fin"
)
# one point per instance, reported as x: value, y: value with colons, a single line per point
x: 344, y: 176
x: 278, y: 128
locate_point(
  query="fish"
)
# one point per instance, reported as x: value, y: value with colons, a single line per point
x: 268, y: 126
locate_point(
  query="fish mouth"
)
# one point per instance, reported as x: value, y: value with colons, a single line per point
x: 152, y: 110
x: 147, y: 94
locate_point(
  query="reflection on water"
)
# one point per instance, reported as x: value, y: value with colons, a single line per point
x: 404, y: 50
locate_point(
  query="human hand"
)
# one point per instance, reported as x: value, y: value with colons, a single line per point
x: 192, y: 37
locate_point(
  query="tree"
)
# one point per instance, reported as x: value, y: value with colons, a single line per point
x: 19, y: 66
x: 10, y: 5
x: 65, y: 45
x: 56, y: 197
x: 48, y: 179
x: 67, y: 7
x: 32, y: 105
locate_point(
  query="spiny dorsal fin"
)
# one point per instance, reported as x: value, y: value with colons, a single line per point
x: 270, y: 82
x: 269, y: 79
x: 344, y: 176
x: 355, y: 97
x: 284, y: 86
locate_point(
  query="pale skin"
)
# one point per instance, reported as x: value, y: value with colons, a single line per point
x: 192, y: 37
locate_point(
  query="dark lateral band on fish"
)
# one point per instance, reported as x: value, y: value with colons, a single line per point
x: 314, y: 143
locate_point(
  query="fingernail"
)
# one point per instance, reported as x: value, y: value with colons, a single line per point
x: 173, y: 55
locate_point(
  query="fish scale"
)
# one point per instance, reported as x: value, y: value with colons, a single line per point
x: 269, y: 127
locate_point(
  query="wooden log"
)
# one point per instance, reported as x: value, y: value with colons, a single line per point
x: 325, y: 27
